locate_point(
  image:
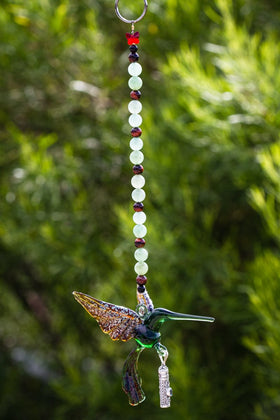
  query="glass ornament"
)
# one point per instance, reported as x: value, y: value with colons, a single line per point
x: 134, y: 69
x: 133, y: 57
x: 139, y: 242
x: 136, y: 157
x: 139, y: 217
x: 135, y: 82
x: 138, y: 169
x: 138, y: 194
x: 135, y: 94
x: 138, y: 207
x: 135, y: 107
x: 135, y: 120
x: 141, y: 254
x: 141, y: 280
x: 136, y: 143
x: 138, y: 181
x: 133, y: 48
x: 139, y: 231
x: 141, y: 268
x: 136, y: 132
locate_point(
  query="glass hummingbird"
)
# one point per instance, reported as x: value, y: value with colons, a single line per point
x: 123, y: 324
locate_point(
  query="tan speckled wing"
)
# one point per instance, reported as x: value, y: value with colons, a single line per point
x: 117, y: 321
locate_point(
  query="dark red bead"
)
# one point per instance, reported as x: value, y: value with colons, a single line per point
x: 141, y: 280
x: 141, y: 289
x: 139, y: 242
x: 138, y: 169
x: 133, y: 57
x: 136, y: 132
x: 135, y: 94
x: 138, y: 206
x: 133, y: 48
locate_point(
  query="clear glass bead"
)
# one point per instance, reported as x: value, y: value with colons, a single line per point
x: 141, y: 254
x: 139, y: 231
x: 138, y: 181
x: 141, y: 268
x: 138, y: 194
x: 134, y: 69
x: 135, y: 107
x: 139, y: 217
x: 135, y: 120
x: 136, y: 157
x: 136, y: 143
x: 135, y: 83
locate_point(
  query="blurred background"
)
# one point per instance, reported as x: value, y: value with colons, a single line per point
x: 211, y: 110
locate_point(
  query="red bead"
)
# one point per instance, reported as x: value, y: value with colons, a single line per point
x: 139, y: 242
x: 136, y: 132
x: 138, y: 206
x: 132, y: 38
x: 135, y: 94
x: 133, y: 57
x: 141, y: 280
x: 138, y: 169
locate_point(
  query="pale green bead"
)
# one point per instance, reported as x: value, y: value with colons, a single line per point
x: 135, y: 120
x: 135, y: 83
x: 136, y: 143
x: 139, y: 231
x: 134, y: 69
x: 138, y: 181
x: 136, y: 157
x: 139, y: 217
x: 141, y: 254
x: 135, y: 107
x: 138, y: 195
x: 141, y: 268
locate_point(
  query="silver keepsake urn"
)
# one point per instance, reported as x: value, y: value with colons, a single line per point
x: 165, y: 392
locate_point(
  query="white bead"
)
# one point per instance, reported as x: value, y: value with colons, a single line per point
x: 135, y: 120
x: 136, y: 157
x: 136, y: 143
x: 138, y: 181
x: 141, y: 254
x: 139, y: 217
x: 135, y: 107
x: 139, y: 231
x: 141, y: 268
x: 135, y: 83
x: 134, y: 69
x: 138, y: 195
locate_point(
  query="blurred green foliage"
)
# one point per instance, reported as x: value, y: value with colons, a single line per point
x: 212, y: 164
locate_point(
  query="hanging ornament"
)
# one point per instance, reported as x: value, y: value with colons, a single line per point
x: 143, y: 324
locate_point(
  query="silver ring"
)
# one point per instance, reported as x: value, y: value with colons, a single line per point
x: 132, y: 20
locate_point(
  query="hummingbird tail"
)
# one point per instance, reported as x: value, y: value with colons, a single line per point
x: 131, y: 382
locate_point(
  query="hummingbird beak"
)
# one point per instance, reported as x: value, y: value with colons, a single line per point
x: 160, y: 315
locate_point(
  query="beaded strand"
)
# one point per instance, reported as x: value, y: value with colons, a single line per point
x: 136, y: 157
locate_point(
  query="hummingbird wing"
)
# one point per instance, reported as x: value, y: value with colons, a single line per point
x: 131, y: 382
x: 119, y: 322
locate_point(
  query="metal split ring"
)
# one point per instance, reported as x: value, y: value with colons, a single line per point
x: 132, y: 21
